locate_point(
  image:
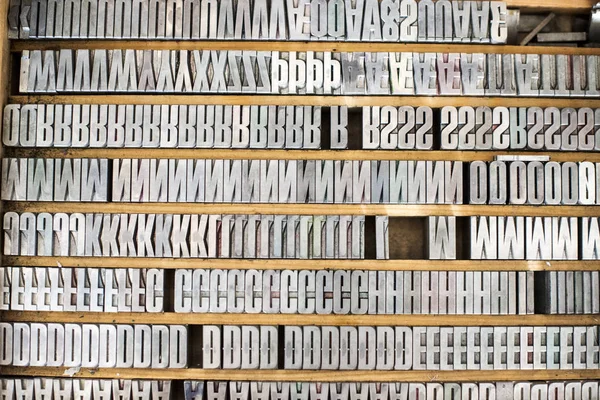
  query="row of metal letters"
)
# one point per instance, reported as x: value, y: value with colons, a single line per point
x: 200, y: 390
x: 82, y: 289
x: 107, y: 389
x: 93, y: 345
x: 534, y: 182
x: 539, y: 238
x: 303, y: 347
x: 85, y: 389
x: 499, y: 128
x: 402, y: 348
x: 241, y: 71
x: 299, y: 127
x: 293, y: 291
x: 242, y: 181
x: 355, y: 292
x: 300, y: 181
x: 287, y: 236
x: 195, y: 236
x: 357, y: 20
x: 572, y: 292
x: 176, y: 126
x: 275, y: 291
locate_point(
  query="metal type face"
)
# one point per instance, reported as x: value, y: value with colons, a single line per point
x: 592, y: 77
x: 416, y: 181
x: 564, y: 238
x: 412, y: 292
x: 481, y: 293
x: 494, y: 74
x: 590, y: 238
x: 479, y: 183
x: 585, y: 130
x: 518, y: 128
x: 377, y: 73
x: 466, y: 124
x: 569, y: 124
x: 497, y: 183
x: 435, y: 182
x: 509, y: 84
x: 449, y: 74
x: 535, y: 183
x: 276, y: 134
x: 353, y: 73
x: 538, y: 238
x: 570, y: 183
x: 339, y: 127
x: 498, y: 28
x: 424, y: 69
x: 579, y: 78
x: 518, y: 183
x: 371, y: 127
x: 443, y: 21
x: 484, y: 238
x: 382, y: 243
x: 401, y: 72
x: 312, y: 128
x: 527, y: 71
x: 564, y: 77
x: 280, y: 73
x: 449, y: 128
x: 473, y: 73
x: 380, y: 181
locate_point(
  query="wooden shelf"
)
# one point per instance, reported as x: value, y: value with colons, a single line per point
x: 262, y: 154
x: 571, y: 6
x: 392, y: 210
x: 329, y: 46
x: 281, y: 264
x: 305, y: 375
x: 307, y: 100
x: 171, y: 318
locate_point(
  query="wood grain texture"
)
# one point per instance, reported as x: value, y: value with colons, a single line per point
x: 392, y: 210
x: 301, y: 319
x: 256, y: 154
x: 18, y: 46
x: 307, y: 100
x: 307, y: 376
x: 245, y: 264
x: 569, y: 6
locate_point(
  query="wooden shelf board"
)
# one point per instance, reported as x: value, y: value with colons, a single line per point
x: 280, y: 264
x: 258, y: 154
x: 306, y: 375
x: 571, y: 6
x: 393, y: 210
x: 308, y: 100
x: 171, y: 318
x: 317, y: 46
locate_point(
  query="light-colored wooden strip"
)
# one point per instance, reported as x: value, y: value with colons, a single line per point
x: 306, y: 376
x: 301, y: 319
x: 570, y: 6
x: 255, y: 154
x: 395, y: 210
x: 371, y: 265
x: 18, y: 46
x: 308, y: 100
